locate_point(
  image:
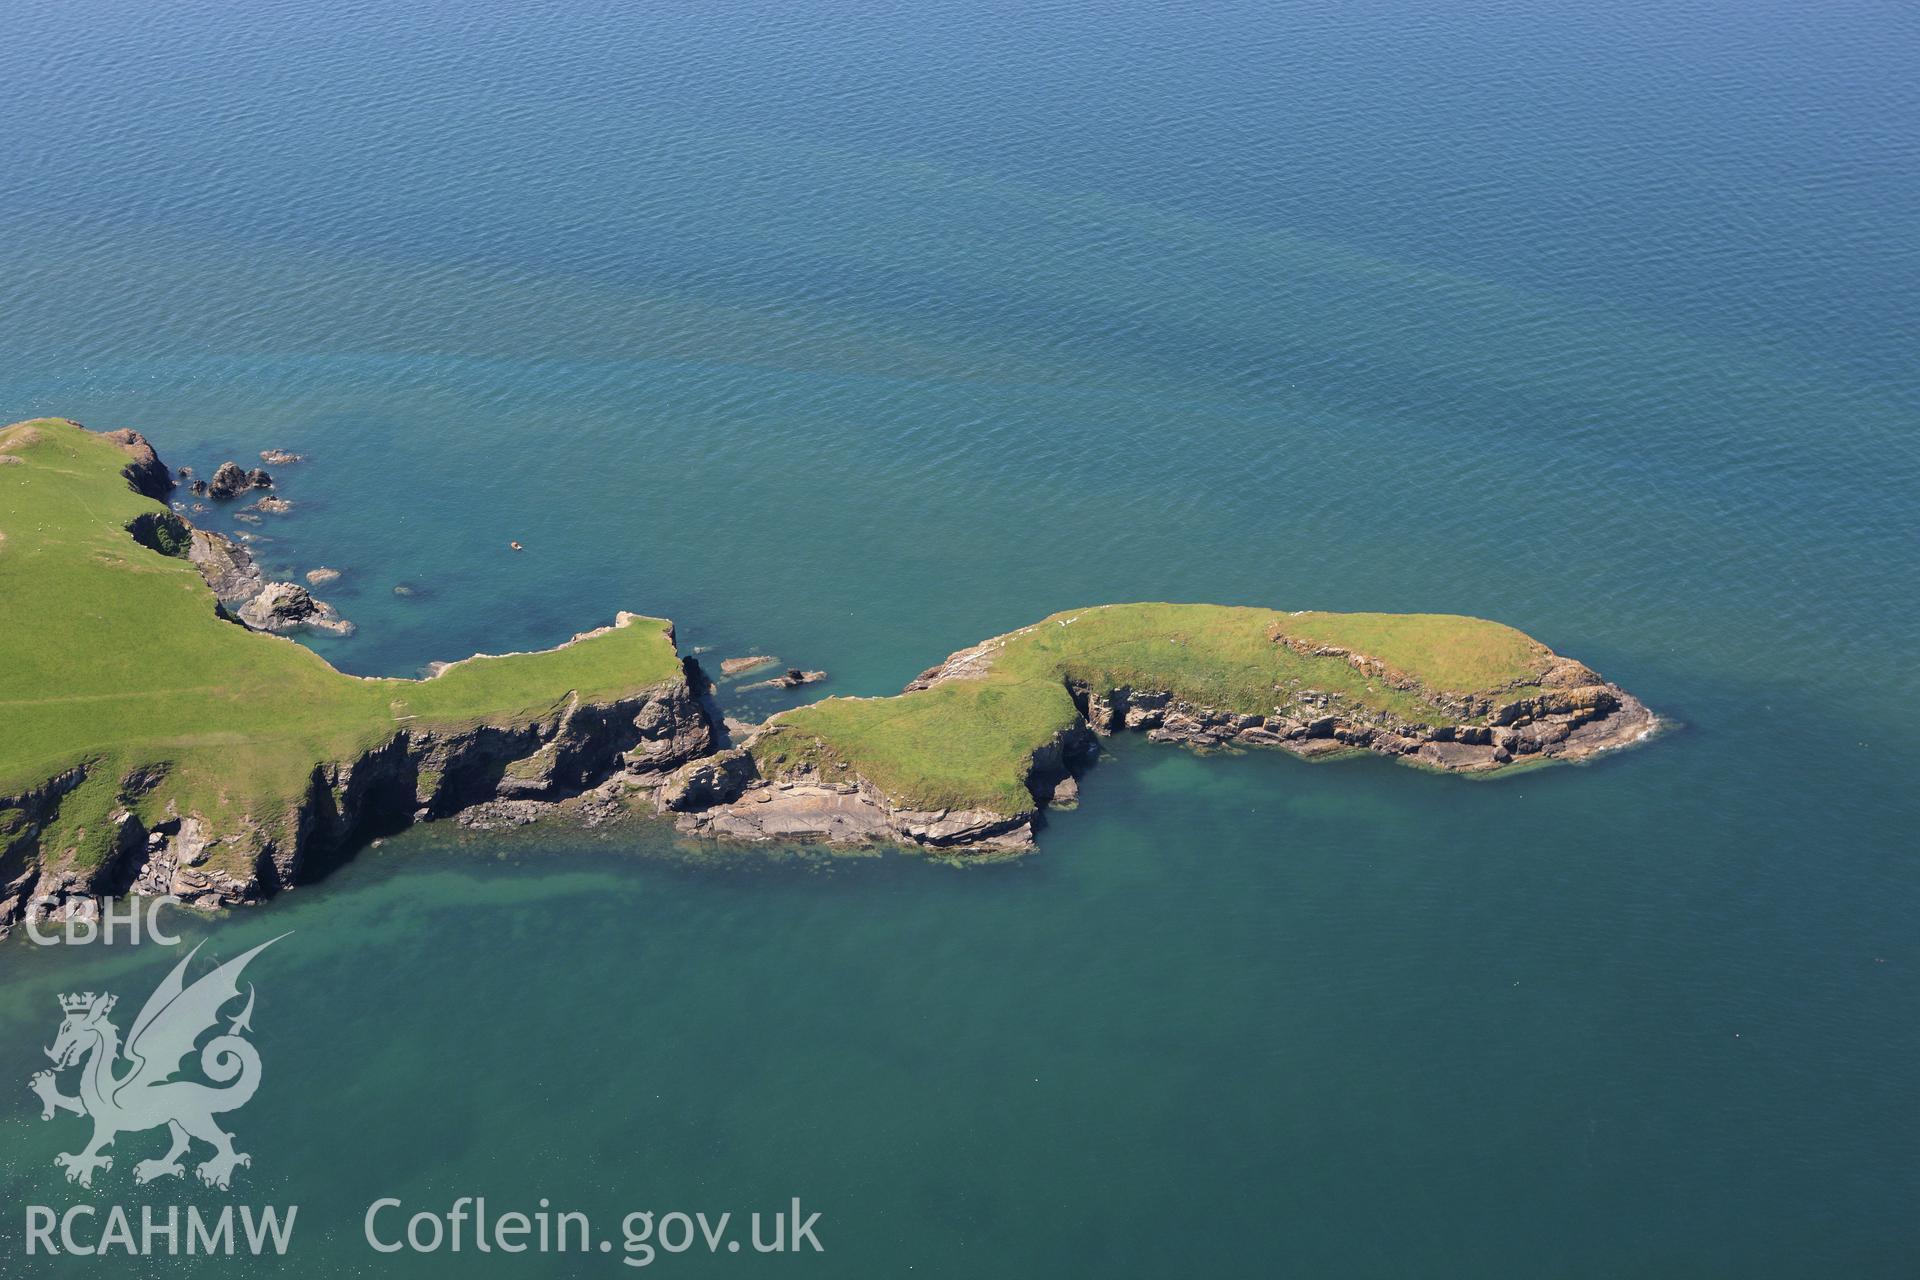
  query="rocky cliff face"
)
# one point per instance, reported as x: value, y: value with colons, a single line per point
x: 1564, y: 724
x: 414, y: 776
x: 145, y: 473
x: 725, y: 797
x: 227, y: 567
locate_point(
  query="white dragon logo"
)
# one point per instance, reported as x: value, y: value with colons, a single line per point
x: 146, y: 1095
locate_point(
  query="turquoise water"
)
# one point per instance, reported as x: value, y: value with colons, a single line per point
x: 856, y: 336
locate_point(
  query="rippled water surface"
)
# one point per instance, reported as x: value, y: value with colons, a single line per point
x: 856, y: 334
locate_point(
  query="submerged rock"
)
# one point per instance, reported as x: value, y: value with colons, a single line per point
x: 280, y: 457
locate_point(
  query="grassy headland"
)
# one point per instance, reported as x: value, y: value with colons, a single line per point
x: 113, y: 659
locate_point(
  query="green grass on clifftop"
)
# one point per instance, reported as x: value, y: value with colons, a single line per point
x: 112, y: 656
x: 966, y: 743
x: 960, y: 745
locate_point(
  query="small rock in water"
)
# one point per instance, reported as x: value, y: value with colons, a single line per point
x: 403, y: 590
x: 734, y: 666
x: 247, y: 517
x: 793, y: 679
x: 280, y: 457
x: 316, y: 577
x: 273, y: 506
x: 228, y: 480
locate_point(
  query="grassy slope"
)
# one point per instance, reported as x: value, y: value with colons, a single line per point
x: 966, y: 743
x: 110, y: 652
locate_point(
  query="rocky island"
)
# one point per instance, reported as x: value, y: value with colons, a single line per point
x: 153, y: 739
x: 971, y: 752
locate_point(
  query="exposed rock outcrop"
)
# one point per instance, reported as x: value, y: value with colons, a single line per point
x: 806, y: 806
x: 288, y: 606
x: 1568, y: 726
x: 229, y: 481
x: 703, y: 783
x: 855, y: 814
x: 227, y: 567
x: 791, y: 678
x: 248, y: 597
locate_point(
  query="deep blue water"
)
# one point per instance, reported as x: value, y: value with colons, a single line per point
x: 856, y: 334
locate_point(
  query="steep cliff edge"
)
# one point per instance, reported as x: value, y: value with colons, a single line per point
x: 146, y: 741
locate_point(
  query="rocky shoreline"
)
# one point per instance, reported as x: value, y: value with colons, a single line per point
x: 667, y: 752
x: 725, y: 797
x: 731, y: 800
x: 668, y: 749
x: 244, y: 593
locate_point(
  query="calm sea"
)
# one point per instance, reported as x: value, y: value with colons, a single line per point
x: 856, y: 333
